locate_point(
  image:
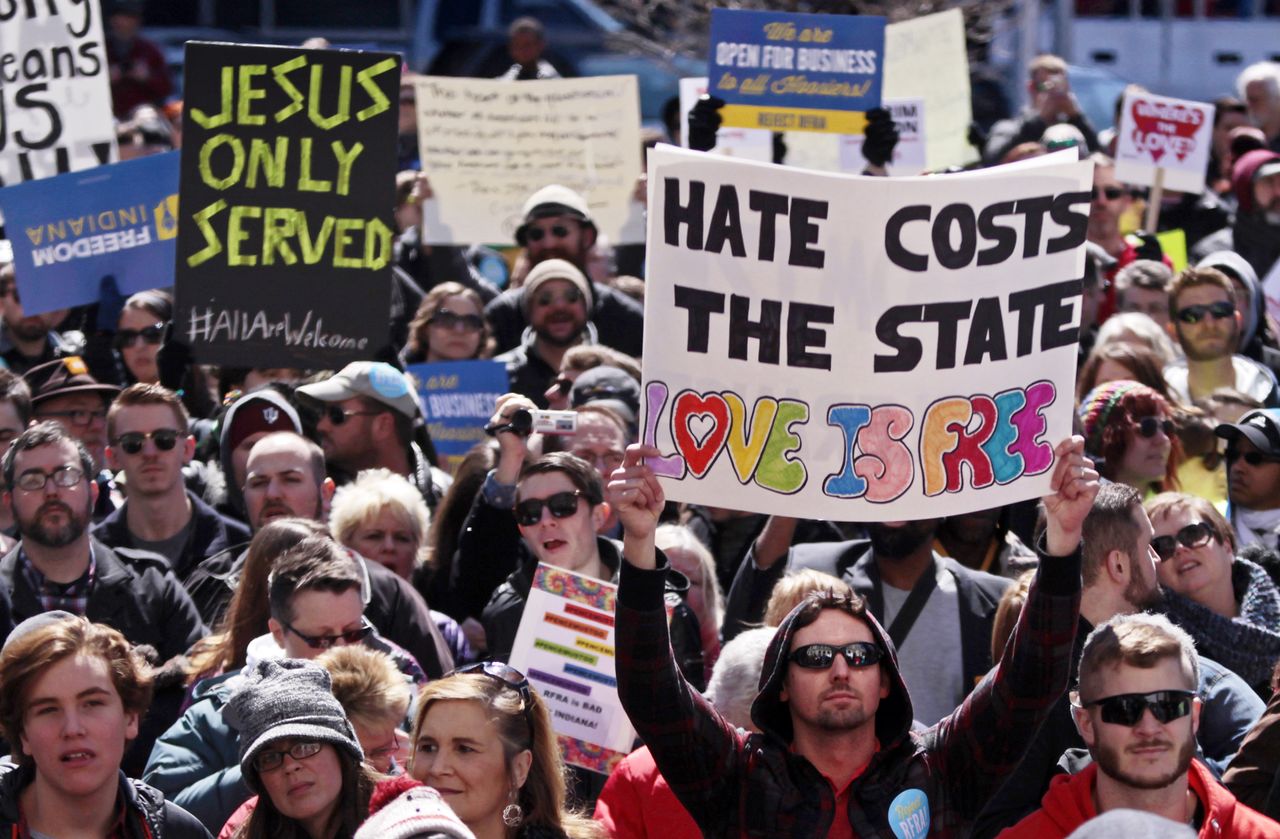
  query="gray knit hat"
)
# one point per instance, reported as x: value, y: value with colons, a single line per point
x: 286, y: 698
x: 555, y: 269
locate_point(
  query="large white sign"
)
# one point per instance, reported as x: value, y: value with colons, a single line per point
x: 488, y: 145
x: 926, y: 58
x: 860, y: 349
x: 55, y: 98
x: 1157, y: 132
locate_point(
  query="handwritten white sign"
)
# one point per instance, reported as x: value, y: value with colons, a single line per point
x: 488, y: 145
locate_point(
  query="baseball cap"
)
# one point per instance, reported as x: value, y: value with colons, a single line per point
x: 609, y: 386
x: 1260, y: 427
x: 375, y: 380
x: 63, y: 377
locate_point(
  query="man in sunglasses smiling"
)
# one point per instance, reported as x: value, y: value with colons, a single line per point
x: 557, y: 225
x: 1206, y: 321
x: 1136, y: 708
x: 148, y: 440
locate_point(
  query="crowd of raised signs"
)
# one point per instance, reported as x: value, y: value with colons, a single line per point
x: 256, y: 602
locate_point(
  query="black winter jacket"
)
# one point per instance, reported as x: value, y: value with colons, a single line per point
x: 148, y: 815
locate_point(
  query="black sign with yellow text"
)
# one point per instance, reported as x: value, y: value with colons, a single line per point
x: 286, y: 199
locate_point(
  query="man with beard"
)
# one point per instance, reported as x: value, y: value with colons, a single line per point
x: 367, y: 414
x: 1137, y: 711
x: 285, y: 477
x: 938, y: 612
x: 1118, y: 567
x: 59, y: 565
x: 557, y: 299
x: 557, y: 225
x: 1206, y: 322
x: 26, y: 342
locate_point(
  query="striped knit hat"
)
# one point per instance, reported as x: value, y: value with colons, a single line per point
x: 1098, y: 404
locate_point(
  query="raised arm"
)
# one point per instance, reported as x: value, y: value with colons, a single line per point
x: 698, y: 753
x: 984, y: 739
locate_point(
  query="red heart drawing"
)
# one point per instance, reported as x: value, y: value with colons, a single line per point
x: 700, y: 450
x: 1161, y: 127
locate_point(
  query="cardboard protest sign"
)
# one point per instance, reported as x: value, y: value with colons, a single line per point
x: 55, y: 102
x: 794, y: 72
x: 287, y: 192
x: 746, y: 143
x: 488, y: 145
x: 565, y: 648
x: 458, y: 397
x: 860, y: 349
x: 71, y: 230
x: 926, y: 57
x: 1158, y: 132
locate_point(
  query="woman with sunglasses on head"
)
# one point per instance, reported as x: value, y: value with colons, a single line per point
x: 483, y: 739
x: 1129, y: 431
x: 449, y: 326
x: 140, y: 332
x: 1229, y: 604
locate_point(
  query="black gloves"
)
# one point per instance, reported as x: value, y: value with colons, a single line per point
x: 704, y: 122
x: 881, y: 137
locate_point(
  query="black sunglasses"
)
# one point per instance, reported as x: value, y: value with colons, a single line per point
x: 446, y: 319
x: 510, y: 678
x: 1194, y: 314
x: 1253, y: 458
x: 131, y: 442
x: 570, y: 295
x: 1112, y: 193
x: 324, y: 642
x: 561, y: 504
x: 822, y: 656
x: 537, y: 234
x: 152, y: 334
x: 1192, y: 536
x: 1148, y: 426
x: 1127, y: 708
x: 337, y: 416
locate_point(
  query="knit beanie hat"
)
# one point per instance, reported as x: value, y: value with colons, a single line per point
x: 555, y: 269
x: 1099, y: 403
x: 286, y: 698
x: 402, y: 807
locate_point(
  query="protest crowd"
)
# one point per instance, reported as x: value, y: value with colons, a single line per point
x: 253, y: 585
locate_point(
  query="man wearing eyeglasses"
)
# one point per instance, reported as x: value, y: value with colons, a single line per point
x: 64, y: 391
x: 368, y: 412
x: 557, y: 225
x: 314, y: 593
x: 149, y: 442
x: 837, y: 754
x: 1137, y: 711
x: 58, y: 565
x: 557, y: 302
x: 1206, y: 321
x: 1253, y: 477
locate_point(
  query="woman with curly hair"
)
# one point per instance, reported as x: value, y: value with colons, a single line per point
x: 1129, y: 431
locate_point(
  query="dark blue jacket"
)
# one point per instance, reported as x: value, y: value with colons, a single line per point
x: 211, y: 534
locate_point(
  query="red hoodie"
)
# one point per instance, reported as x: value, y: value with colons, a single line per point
x: 1069, y: 804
